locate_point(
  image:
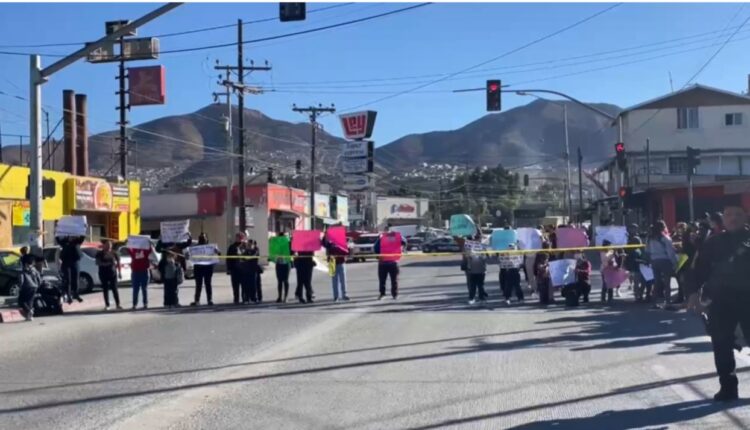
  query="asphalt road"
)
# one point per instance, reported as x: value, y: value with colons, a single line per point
x: 425, y: 361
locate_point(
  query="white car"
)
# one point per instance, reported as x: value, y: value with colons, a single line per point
x: 363, y: 245
x: 89, y: 271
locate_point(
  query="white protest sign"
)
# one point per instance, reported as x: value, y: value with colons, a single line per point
x: 562, y: 272
x: 647, y: 272
x: 470, y: 245
x: 615, y: 234
x: 139, y: 242
x: 71, y: 225
x: 175, y: 231
x: 203, y: 254
x: 529, y: 238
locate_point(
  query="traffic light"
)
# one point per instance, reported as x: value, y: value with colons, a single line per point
x: 298, y: 166
x: 693, y: 160
x: 493, y: 95
x: 525, y: 180
x: 292, y: 12
x: 620, y: 156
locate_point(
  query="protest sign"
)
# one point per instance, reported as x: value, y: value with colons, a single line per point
x: 139, y: 242
x: 502, y: 239
x: 461, y: 225
x: 571, y: 237
x: 175, y: 231
x: 614, y: 276
x: 71, y: 225
x: 470, y: 245
x: 647, y: 272
x: 562, y: 272
x: 336, y: 236
x: 203, y: 255
x: 279, y: 248
x: 306, y: 240
x: 529, y: 238
x: 615, y: 234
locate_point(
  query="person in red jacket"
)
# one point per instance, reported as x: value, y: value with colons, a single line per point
x: 141, y: 261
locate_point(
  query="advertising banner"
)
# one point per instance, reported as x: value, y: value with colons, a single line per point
x: 358, y: 125
x: 95, y: 195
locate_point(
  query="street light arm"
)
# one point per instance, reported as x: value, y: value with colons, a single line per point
x: 563, y: 95
x: 72, y: 58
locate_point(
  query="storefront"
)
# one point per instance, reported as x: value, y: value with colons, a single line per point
x: 401, y: 210
x: 112, y: 210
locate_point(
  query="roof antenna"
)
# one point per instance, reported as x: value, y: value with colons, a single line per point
x: 671, y: 84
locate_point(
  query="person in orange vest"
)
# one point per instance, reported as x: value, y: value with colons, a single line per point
x: 390, y: 245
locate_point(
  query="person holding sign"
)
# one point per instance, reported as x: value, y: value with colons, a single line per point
x: 510, y: 275
x: 110, y: 271
x: 543, y: 277
x: 172, y: 275
x: 336, y: 255
x: 203, y: 268
x: 475, y: 264
x: 142, y: 257
x: 281, y: 251
x: 70, y: 257
x: 389, y: 246
x: 583, y: 276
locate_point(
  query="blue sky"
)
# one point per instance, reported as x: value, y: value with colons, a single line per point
x: 439, y: 38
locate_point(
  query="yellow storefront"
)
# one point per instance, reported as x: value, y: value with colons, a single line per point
x: 112, y: 210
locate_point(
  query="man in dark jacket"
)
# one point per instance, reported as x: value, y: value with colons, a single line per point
x: 233, y: 264
x: 304, y: 264
x: 721, y: 273
x: 30, y: 280
x: 70, y: 257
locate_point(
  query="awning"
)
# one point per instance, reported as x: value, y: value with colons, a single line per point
x: 289, y: 212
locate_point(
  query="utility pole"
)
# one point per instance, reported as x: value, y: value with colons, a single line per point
x: 240, y: 89
x: 123, y: 116
x: 580, y: 185
x: 228, y: 207
x: 648, y: 164
x: 568, y: 192
x: 313, y: 112
x: 39, y: 76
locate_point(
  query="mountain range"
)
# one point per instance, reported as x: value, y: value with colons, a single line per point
x: 191, y: 148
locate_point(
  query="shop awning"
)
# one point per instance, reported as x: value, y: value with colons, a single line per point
x: 289, y: 212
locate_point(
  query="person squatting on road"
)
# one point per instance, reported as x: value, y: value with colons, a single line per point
x: 110, y: 271
x: 338, y: 280
x: 234, y: 251
x: 141, y: 261
x: 720, y: 279
x: 389, y: 244
x: 663, y: 260
x: 283, y: 267
x: 475, y: 264
x: 204, y: 273
x: 70, y: 257
x: 30, y: 280
x: 510, y: 275
x: 173, y: 275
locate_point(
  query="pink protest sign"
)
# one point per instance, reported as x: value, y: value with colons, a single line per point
x: 614, y: 276
x: 336, y: 236
x: 306, y: 240
x: 570, y: 237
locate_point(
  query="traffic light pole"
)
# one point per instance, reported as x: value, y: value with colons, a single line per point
x: 690, y: 196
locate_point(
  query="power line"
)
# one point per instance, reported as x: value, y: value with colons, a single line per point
x: 503, y: 55
x: 181, y: 33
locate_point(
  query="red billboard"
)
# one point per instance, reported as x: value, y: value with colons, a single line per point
x: 146, y: 85
x: 358, y: 125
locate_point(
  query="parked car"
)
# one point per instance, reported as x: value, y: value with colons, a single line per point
x: 414, y: 243
x: 441, y: 244
x: 10, y: 269
x: 89, y: 276
x: 363, y: 245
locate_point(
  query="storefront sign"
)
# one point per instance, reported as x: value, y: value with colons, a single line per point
x: 322, y: 206
x: 21, y: 214
x: 95, y: 195
x: 358, y: 125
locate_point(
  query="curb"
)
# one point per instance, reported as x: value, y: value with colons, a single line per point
x: 12, y: 315
x: 90, y: 302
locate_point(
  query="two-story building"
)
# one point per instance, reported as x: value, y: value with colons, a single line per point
x: 656, y: 134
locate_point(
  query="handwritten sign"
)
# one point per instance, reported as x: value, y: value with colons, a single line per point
x: 615, y: 234
x: 647, y: 272
x: 562, y: 272
x: 203, y: 255
x: 613, y: 276
x: 71, y: 225
x: 306, y: 240
x: 529, y: 238
x: 503, y: 239
x: 139, y: 242
x: 472, y: 246
x: 571, y: 237
x: 175, y: 231
x: 461, y: 225
x: 336, y: 236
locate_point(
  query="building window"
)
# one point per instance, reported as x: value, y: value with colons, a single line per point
x: 678, y: 165
x: 687, y: 118
x: 733, y: 119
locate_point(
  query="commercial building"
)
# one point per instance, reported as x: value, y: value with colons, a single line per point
x: 401, y: 210
x: 111, y: 208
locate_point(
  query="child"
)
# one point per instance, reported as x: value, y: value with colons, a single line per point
x: 583, y: 276
x: 543, y: 279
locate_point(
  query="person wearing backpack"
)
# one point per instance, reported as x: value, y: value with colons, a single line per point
x: 663, y: 260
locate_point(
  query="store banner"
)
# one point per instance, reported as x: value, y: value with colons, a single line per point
x: 95, y: 195
x: 175, y: 231
x: 21, y: 214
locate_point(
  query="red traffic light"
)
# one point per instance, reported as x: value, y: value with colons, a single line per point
x: 494, y: 87
x: 623, y: 192
x: 619, y: 147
